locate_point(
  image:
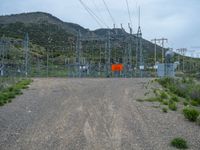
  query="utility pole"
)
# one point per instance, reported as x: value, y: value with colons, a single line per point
x: 162, y: 41
x: 139, y: 50
x: 182, y: 51
x: 155, y: 50
x: 130, y: 50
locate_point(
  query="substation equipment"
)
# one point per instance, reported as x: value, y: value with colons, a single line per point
x: 167, y: 69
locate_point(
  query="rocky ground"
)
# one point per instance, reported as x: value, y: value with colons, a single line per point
x: 90, y: 114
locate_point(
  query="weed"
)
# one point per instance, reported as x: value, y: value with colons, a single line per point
x: 1, y: 103
x: 174, y: 98
x: 164, y: 109
x: 198, y: 120
x: 179, y: 143
x: 139, y: 100
x: 172, y: 106
x: 185, y: 103
x: 165, y: 102
x: 154, y: 99
x: 163, y: 95
x: 194, y: 103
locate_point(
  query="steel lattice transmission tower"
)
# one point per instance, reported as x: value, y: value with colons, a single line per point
x: 139, y: 50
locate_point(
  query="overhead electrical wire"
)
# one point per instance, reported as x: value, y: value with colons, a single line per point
x: 93, y: 15
x: 106, y: 6
x: 98, y: 10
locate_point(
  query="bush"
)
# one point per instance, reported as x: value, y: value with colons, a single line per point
x: 198, y: 120
x: 1, y: 103
x: 165, y: 102
x: 194, y: 103
x: 163, y: 95
x: 194, y: 93
x: 165, y: 110
x: 191, y: 114
x: 165, y: 82
x: 172, y: 106
x: 185, y: 103
x: 179, y: 143
x: 182, y: 89
x: 174, y: 98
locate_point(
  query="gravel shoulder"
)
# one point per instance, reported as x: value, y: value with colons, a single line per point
x: 90, y: 114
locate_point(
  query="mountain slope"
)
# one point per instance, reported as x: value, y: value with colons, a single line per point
x: 53, y: 34
x: 40, y: 18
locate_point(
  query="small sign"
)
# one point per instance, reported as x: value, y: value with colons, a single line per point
x: 117, y: 67
x: 141, y: 67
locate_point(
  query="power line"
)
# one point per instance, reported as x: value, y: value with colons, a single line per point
x: 94, y: 16
x: 90, y: 12
x: 100, y: 16
x: 113, y: 20
x: 127, y: 4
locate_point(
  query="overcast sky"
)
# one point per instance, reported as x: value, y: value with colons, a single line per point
x: 177, y: 20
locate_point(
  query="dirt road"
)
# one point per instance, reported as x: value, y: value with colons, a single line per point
x: 90, y: 114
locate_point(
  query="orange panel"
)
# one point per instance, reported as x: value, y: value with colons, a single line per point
x: 117, y: 67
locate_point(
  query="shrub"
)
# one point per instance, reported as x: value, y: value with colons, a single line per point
x: 185, y: 103
x: 182, y: 89
x: 1, y: 103
x: 194, y: 93
x: 165, y: 102
x: 174, y: 98
x: 179, y: 143
x: 198, y: 120
x: 163, y: 95
x: 191, y: 114
x: 164, y: 109
x: 172, y: 106
x: 165, y: 82
x: 194, y: 103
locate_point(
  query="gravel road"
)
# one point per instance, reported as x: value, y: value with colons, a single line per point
x: 90, y: 114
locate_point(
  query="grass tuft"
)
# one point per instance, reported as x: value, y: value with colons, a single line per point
x: 172, y: 106
x: 179, y: 143
x: 164, y: 109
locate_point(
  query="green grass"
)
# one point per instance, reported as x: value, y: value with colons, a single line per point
x: 7, y: 94
x: 179, y: 143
